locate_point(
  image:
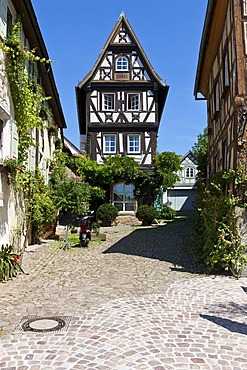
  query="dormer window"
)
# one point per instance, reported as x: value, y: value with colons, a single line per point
x: 122, y: 64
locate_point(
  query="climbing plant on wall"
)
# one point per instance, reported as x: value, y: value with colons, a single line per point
x: 220, y: 243
x: 28, y: 99
x: 26, y: 92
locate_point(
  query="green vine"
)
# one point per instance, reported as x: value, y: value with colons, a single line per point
x: 27, y: 94
x: 221, y: 247
x: 31, y: 113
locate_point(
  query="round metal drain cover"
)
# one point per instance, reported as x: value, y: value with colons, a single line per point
x: 43, y: 324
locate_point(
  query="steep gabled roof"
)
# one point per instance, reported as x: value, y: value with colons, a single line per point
x: 191, y: 156
x: 72, y: 148
x: 122, y: 20
x: 162, y: 87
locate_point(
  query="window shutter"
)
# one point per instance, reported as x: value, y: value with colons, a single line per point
x: 14, y: 140
x: 3, y: 18
x: 31, y: 164
x: 44, y: 170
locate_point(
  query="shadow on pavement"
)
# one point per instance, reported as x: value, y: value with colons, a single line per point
x: 244, y: 289
x: 233, y: 326
x: 230, y: 309
x: 169, y: 242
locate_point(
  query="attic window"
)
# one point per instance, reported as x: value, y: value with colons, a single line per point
x: 122, y: 64
x: 189, y: 172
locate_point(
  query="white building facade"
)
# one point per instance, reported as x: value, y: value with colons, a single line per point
x: 182, y: 196
x: 12, y: 219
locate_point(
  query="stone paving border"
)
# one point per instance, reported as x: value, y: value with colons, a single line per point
x: 169, y: 331
x: 132, y: 306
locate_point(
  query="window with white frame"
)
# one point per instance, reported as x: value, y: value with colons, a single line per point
x: 189, y: 172
x: 109, y: 144
x: 133, y: 101
x: 245, y: 7
x: 133, y: 143
x: 226, y: 77
x: 216, y: 97
x: 108, y: 101
x: 10, y: 22
x: 123, y: 197
x: 122, y: 64
x: 224, y: 153
x: 215, y: 163
x: 245, y: 36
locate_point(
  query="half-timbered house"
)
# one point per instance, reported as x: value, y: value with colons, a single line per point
x: 221, y: 80
x: 120, y: 104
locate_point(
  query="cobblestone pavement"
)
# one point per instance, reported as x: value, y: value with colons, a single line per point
x: 135, y: 301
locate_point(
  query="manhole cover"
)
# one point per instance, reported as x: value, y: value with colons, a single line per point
x: 43, y: 324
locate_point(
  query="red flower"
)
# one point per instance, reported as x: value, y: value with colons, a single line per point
x: 234, y: 241
x: 15, y: 259
x: 18, y: 257
x: 221, y: 237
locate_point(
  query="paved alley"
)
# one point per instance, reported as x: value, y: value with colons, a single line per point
x: 136, y: 301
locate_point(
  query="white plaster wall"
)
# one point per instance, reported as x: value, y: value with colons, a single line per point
x: 12, y: 216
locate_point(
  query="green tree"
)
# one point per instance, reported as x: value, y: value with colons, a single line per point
x: 119, y: 168
x: 200, y: 149
x: 72, y: 196
x: 101, y: 177
x: 69, y: 194
x: 167, y: 166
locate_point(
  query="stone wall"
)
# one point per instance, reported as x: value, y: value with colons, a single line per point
x: 128, y: 219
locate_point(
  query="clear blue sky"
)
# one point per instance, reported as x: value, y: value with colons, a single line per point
x: 169, y: 32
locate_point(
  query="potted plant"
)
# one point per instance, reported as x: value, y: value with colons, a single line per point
x: 106, y: 213
x: 146, y: 214
x: 9, y: 263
